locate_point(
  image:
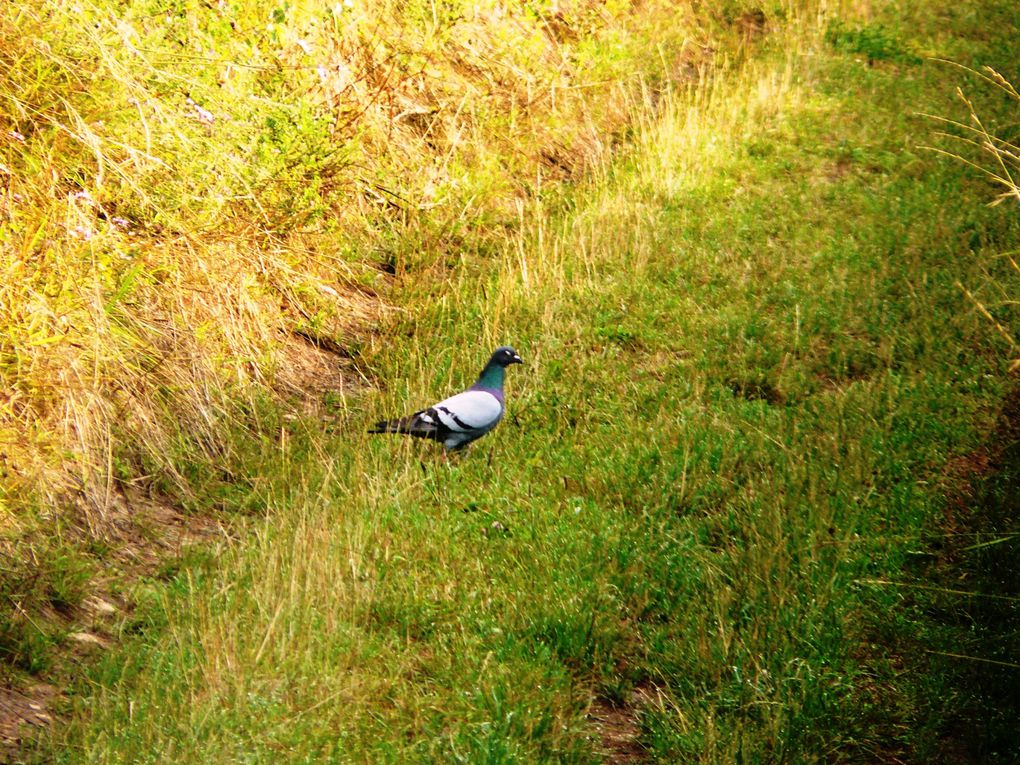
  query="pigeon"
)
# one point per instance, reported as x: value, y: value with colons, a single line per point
x: 458, y: 420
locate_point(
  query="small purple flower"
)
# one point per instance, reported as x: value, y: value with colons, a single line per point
x: 203, y: 115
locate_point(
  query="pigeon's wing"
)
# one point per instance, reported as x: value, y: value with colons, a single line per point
x: 462, y: 417
x: 469, y: 411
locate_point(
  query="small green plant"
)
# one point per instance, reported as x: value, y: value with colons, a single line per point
x: 46, y: 583
x: 873, y: 41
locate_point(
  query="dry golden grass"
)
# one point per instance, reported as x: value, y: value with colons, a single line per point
x: 182, y: 191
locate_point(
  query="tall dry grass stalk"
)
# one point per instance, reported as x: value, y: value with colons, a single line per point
x: 994, y: 157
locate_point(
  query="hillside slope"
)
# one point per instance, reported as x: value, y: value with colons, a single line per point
x: 202, y: 209
x: 751, y: 381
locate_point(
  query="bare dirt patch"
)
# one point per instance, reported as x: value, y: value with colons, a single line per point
x: 20, y: 710
x: 315, y: 368
x: 142, y: 531
x: 619, y: 729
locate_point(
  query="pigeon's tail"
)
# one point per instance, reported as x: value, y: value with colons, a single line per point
x: 389, y: 426
x: 412, y: 426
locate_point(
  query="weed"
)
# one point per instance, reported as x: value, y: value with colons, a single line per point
x: 874, y: 42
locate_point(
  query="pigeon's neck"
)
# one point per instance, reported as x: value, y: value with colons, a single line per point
x: 491, y: 377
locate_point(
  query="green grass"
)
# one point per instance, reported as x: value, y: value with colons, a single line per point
x: 201, y: 205
x: 748, y: 366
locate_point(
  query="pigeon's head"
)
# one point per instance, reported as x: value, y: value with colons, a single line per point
x: 504, y: 356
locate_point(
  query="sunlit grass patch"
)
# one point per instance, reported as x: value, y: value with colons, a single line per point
x: 203, y: 208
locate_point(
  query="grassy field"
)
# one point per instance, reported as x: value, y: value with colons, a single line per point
x: 201, y: 207
x: 753, y: 408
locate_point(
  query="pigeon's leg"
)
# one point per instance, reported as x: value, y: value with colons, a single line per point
x: 455, y: 455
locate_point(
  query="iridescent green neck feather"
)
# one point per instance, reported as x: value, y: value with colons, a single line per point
x: 491, y: 377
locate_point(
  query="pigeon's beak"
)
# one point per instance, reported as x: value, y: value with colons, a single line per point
x: 516, y: 360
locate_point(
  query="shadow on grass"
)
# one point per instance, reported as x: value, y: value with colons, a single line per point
x: 979, y: 720
x: 941, y: 652
x: 967, y: 682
